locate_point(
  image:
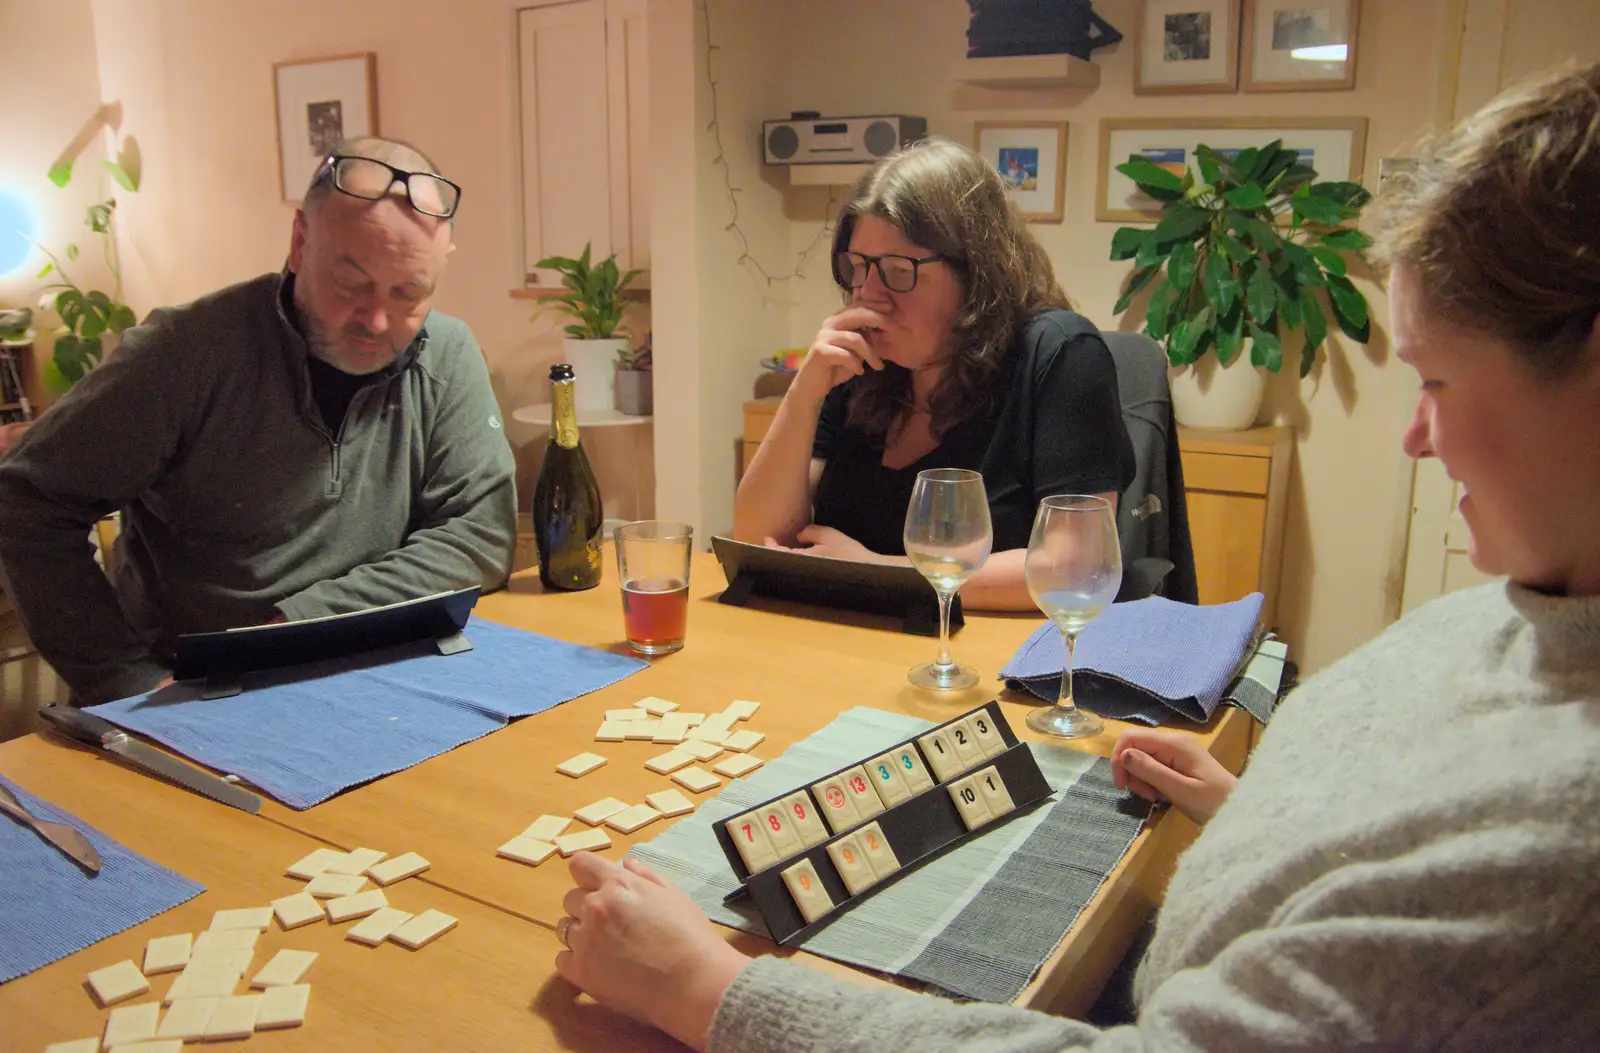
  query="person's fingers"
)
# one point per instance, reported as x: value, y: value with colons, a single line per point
x: 564, y: 966
x: 573, y: 901
x: 589, y: 871
x: 645, y: 872
x: 1140, y: 788
x: 1158, y: 776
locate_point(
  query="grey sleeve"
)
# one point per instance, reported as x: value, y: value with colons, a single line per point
x: 104, y: 443
x: 465, y: 510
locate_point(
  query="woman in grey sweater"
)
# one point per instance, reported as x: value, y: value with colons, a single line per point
x: 1411, y: 860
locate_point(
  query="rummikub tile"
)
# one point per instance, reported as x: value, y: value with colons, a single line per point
x: 941, y: 754
x: 302, y: 908
x: 749, y: 835
x: 220, y: 959
x: 376, y: 927
x: 737, y: 765
x: 877, y: 850
x: 548, y: 827
x: 595, y: 814
x: 151, y: 1045
x: 77, y: 1045
x: 186, y: 1019
x: 358, y: 906
x: 581, y: 765
x: 356, y: 862
x: 701, y: 733
x: 611, y: 731
x: 642, y: 730
x: 228, y: 939
x: 283, y: 1007
x: 851, y: 863
x: 696, y: 780
x: 429, y: 926
x: 199, y: 982
x: 400, y: 867
x: 775, y: 819
x: 969, y: 802
x: 996, y: 798
x: 912, y: 769
x: 233, y: 1017
x: 623, y: 716
x: 583, y: 841
x: 669, y: 803
x: 802, y: 812
x: 862, y: 793
x: 659, y: 707
x: 965, y: 743
x: 694, y: 719
x: 742, y: 710
x: 985, y: 734
x: 526, y: 849
x: 133, y: 1023
x: 630, y: 819
x: 332, y: 886
x: 837, y: 808
x: 287, y: 967
x: 256, y: 918
x: 310, y: 866
x: 700, y: 750
x: 670, y: 761
x: 167, y: 954
x: 718, y: 722
x: 806, y: 888
x: 672, y: 729
x: 885, y: 773
x: 743, y: 741
x: 116, y: 982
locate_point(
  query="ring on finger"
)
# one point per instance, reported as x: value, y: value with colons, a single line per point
x: 564, y: 929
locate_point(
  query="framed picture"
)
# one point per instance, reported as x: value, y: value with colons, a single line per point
x: 1300, y: 45
x: 321, y: 101
x: 1031, y: 157
x: 1182, y: 47
x: 1334, y: 146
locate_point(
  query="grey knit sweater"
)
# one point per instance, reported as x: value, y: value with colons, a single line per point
x: 1411, y: 862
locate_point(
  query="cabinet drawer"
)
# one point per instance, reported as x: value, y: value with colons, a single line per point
x: 757, y: 423
x: 1225, y: 474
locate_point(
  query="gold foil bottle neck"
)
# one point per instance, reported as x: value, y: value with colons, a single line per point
x: 563, y: 415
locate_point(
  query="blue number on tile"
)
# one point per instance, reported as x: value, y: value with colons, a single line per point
x: 883, y: 772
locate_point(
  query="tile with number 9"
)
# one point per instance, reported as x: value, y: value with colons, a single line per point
x: 802, y: 811
x: 851, y: 862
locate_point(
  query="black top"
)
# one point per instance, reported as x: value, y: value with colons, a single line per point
x: 1052, y: 425
x: 333, y: 389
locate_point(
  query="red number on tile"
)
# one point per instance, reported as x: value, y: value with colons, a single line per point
x: 748, y: 836
x: 805, y: 881
x: 800, y: 811
x: 858, y: 784
x: 872, y: 842
x: 775, y: 822
x: 849, y: 856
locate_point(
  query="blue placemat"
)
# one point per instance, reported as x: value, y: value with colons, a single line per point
x: 1140, y: 659
x: 52, y: 908
x: 303, y: 734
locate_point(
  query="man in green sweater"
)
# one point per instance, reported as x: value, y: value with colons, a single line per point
x: 298, y: 445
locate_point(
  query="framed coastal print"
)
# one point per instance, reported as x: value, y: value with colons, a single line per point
x: 320, y: 102
x: 1182, y: 47
x: 1300, y: 45
x: 1031, y: 157
x: 1334, y: 146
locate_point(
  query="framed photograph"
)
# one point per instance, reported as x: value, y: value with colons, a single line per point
x: 1334, y: 146
x: 321, y: 101
x: 1300, y: 45
x: 1183, y: 47
x: 1031, y: 157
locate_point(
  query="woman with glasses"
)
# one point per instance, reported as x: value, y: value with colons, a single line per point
x: 1410, y: 861
x: 956, y: 348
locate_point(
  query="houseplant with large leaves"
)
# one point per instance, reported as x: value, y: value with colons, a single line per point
x: 596, y: 338
x: 1250, y: 250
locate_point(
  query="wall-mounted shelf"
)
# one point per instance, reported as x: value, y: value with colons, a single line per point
x: 1030, y: 71
x: 827, y: 175
x: 539, y: 416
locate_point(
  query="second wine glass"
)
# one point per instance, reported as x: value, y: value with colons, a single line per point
x: 948, y: 537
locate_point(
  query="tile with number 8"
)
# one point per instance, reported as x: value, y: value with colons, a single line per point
x: 780, y: 831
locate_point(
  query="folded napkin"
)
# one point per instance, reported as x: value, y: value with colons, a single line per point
x: 304, y: 733
x: 1145, y: 659
x: 53, y: 908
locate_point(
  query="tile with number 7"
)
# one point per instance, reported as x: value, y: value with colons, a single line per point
x: 749, y: 835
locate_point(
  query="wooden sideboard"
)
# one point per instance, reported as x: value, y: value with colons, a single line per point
x: 1236, y: 485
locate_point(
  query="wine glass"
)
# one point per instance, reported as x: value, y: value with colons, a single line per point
x: 1073, y: 568
x: 948, y: 537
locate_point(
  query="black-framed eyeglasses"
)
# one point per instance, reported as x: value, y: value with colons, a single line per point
x: 432, y: 195
x: 898, y: 273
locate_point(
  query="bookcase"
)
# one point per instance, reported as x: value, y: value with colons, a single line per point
x: 19, y: 382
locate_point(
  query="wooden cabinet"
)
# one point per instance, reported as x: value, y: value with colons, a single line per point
x: 584, y: 104
x: 1235, y: 484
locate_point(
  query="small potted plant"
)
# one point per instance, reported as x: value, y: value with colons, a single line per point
x: 596, y: 340
x: 635, y: 388
x: 1226, y: 274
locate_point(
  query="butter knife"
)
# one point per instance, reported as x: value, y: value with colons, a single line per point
x: 72, y: 844
x: 95, y: 731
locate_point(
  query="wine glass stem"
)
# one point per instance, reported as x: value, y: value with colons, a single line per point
x: 943, y: 661
x: 1065, y: 701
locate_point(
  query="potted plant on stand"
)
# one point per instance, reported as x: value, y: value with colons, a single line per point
x: 1248, y: 250
x: 635, y: 388
x: 596, y: 340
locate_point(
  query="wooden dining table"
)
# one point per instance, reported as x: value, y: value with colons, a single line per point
x: 490, y: 983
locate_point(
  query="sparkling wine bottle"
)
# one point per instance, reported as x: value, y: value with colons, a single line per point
x: 567, y: 516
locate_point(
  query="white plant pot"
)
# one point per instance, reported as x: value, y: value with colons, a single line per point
x: 594, y: 366
x: 1214, y: 397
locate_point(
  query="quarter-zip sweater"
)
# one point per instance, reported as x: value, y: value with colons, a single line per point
x: 237, y: 501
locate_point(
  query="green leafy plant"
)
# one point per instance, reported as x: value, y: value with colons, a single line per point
x: 1222, y: 268
x: 593, y: 297
x: 87, y: 316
